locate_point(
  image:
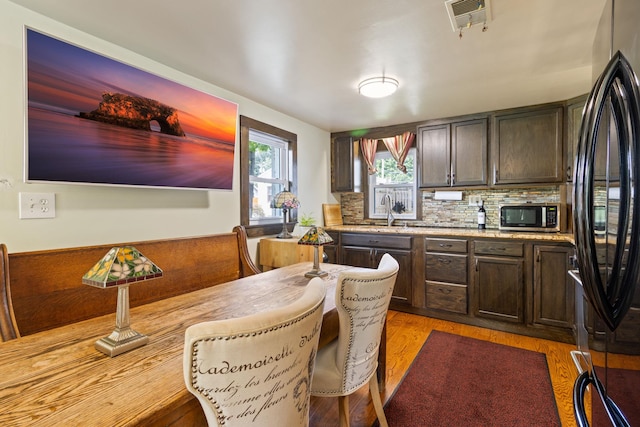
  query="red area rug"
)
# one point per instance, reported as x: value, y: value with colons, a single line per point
x: 460, y: 381
x: 622, y: 386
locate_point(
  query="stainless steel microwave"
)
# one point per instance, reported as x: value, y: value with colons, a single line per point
x: 530, y: 217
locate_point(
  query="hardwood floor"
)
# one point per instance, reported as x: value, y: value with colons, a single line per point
x: 406, y: 333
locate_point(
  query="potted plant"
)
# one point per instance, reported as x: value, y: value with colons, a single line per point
x: 305, y: 222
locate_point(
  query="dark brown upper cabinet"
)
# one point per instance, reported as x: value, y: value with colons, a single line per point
x: 342, y: 164
x: 607, y: 161
x: 453, y: 154
x: 527, y: 146
x: 603, y: 158
x: 574, y: 119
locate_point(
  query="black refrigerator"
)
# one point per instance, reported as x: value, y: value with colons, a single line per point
x: 606, y: 226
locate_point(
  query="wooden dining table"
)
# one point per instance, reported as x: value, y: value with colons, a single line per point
x: 57, y: 377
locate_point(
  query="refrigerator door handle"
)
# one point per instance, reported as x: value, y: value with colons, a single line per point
x: 579, y: 390
x: 616, y: 88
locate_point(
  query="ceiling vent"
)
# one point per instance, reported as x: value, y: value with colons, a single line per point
x: 466, y: 13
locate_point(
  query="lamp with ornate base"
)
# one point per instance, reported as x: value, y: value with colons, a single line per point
x: 316, y: 236
x: 120, y: 267
x: 286, y: 201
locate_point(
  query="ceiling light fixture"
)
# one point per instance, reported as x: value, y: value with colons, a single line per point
x: 378, y: 87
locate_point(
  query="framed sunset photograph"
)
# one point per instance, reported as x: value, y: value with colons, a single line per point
x: 95, y: 120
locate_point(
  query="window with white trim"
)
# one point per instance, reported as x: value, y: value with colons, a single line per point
x: 267, y: 167
x: 267, y: 176
x: 401, y: 187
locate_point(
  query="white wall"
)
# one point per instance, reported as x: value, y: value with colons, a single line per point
x: 87, y: 214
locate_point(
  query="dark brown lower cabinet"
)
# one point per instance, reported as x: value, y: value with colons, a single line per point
x: 626, y: 335
x: 332, y: 252
x: 499, y: 280
x: 499, y: 287
x: 515, y: 285
x: 553, y: 291
x: 446, y: 275
x: 369, y: 256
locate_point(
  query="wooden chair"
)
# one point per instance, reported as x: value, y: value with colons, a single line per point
x: 8, y: 326
x: 256, y: 370
x: 247, y: 266
x: 350, y: 361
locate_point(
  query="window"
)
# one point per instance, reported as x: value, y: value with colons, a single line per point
x: 400, y: 187
x: 267, y: 175
x: 267, y: 166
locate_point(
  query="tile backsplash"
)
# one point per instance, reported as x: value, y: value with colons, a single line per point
x: 457, y: 214
x: 352, y: 207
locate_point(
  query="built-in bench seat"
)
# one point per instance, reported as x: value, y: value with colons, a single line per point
x: 41, y: 290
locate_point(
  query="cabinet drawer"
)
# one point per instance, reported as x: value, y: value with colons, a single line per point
x: 628, y: 329
x: 447, y: 297
x: 376, y: 241
x: 445, y: 245
x: 489, y: 247
x: 446, y: 267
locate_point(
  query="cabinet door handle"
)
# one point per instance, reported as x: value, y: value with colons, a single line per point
x: 445, y: 245
x: 569, y: 173
x: 448, y: 179
x: 476, y: 264
x: 496, y: 176
x: 444, y: 261
x: 453, y: 179
x: 444, y: 291
x: 498, y: 249
x: 373, y: 241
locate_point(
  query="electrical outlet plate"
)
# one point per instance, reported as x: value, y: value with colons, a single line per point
x: 475, y: 200
x: 37, y: 205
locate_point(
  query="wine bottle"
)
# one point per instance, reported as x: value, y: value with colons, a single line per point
x: 482, y: 217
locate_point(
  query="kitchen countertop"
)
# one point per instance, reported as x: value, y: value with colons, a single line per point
x: 455, y: 232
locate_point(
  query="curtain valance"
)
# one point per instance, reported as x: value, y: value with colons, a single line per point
x: 398, y: 146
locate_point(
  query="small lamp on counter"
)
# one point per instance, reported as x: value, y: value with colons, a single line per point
x: 120, y: 267
x: 286, y: 201
x: 316, y: 236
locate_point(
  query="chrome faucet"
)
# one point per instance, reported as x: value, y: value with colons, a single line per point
x: 386, y: 201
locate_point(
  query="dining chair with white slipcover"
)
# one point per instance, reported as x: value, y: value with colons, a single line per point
x: 256, y: 370
x: 351, y: 360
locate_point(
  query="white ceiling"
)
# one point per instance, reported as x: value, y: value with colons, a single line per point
x: 306, y: 57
